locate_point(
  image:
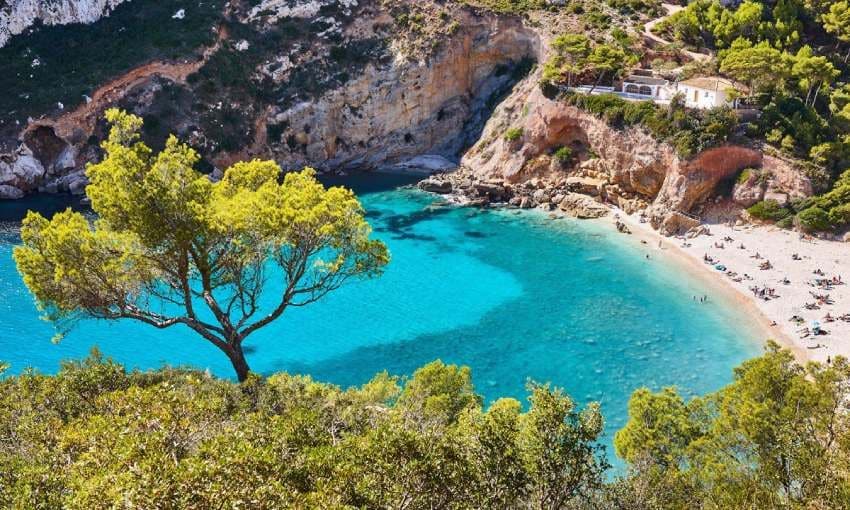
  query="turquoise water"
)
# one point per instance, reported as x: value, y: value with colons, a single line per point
x: 514, y: 296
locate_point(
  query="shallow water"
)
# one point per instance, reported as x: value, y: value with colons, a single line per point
x: 515, y: 296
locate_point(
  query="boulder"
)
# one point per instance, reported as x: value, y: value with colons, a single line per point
x: 494, y: 191
x: 582, y: 206
x: 541, y: 196
x: 585, y: 185
x: 779, y: 197
x: 435, y: 186
x: 751, y: 191
x: 25, y: 173
x: 66, y: 161
x: 697, y: 231
x: 10, y: 192
x: 674, y: 223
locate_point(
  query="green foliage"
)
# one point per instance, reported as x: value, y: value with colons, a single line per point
x: 828, y: 211
x: 774, y: 438
x: 513, y: 134
x: 761, y: 66
x: 648, y: 7
x: 563, y: 155
x: 688, y: 131
x: 73, y: 60
x: 95, y: 436
x: 166, y: 231
x: 508, y: 6
x: 814, y: 219
x: 769, y: 210
x: 575, y: 56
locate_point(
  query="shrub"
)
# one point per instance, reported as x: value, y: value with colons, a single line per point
x: 563, y: 155
x: 513, y: 134
x: 786, y: 222
x: 814, y: 219
x: 769, y: 210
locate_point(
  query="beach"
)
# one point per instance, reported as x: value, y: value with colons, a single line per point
x: 789, y: 285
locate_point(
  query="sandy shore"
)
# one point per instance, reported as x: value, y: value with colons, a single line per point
x: 771, y: 316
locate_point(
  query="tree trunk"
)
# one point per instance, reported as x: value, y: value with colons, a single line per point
x: 237, y: 359
x: 598, y: 81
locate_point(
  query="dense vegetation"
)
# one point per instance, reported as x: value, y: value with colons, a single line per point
x: 687, y: 130
x: 793, y: 54
x: 96, y: 436
x: 63, y: 63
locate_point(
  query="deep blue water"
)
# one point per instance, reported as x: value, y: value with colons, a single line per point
x: 513, y: 295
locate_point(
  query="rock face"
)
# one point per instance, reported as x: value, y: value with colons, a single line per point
x: 18, y: 15
x: 398, y: 106
x: 624, y: 167
x: 750, y: 190
x: 405, y: 109
x: 691, y: 182
x: 630, y: 158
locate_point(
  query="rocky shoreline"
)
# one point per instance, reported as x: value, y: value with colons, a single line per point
x: 583, y: 198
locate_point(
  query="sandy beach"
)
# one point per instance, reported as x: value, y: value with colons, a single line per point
x: 793, y: 282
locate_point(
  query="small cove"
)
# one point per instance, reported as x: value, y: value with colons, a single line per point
x: 516, y: 296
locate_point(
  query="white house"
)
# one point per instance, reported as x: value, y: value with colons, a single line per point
x: 708, y: 92
x: 703, y: 93
x: 647, y: 87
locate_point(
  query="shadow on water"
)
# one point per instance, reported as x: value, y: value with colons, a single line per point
x: 12, y: 212
x: 370, y: 182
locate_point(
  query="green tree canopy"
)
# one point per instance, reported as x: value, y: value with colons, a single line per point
x: 170, y: 247
x: 96, y: 437
x: 761, y: 66
x: 812, y: 72
x: 837, y: 22
x: 777, y: 437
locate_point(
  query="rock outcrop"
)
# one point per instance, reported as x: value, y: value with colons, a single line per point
x: 18, y: 15
x: 398, y: 111
x: 624, y: 167
x: 386, y: 109
x: 371, y: 84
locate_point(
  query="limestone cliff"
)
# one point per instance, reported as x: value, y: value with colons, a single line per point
x: 334, y: 84
x: 625, y: 167
x: 18, y: 15
x: 345, y: 84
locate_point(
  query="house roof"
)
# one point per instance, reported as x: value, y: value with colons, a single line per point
x: 645, y: 80
x: 713, y: 83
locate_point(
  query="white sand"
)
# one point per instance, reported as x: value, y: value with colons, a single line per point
x: 777, y: 246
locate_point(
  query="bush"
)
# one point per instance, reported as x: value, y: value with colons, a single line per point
x: 95, y: 436
x: 563, y: 155
x: 769, y: 210
x: 814, y: 219
x: 513, y: 134
x: 786, y: 222
x: 689, y: 132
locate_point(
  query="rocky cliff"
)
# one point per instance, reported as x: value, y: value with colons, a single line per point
x: 335, y: 84
x: 625, y: 167
x: 18, y: 15
x: 345, y: 84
